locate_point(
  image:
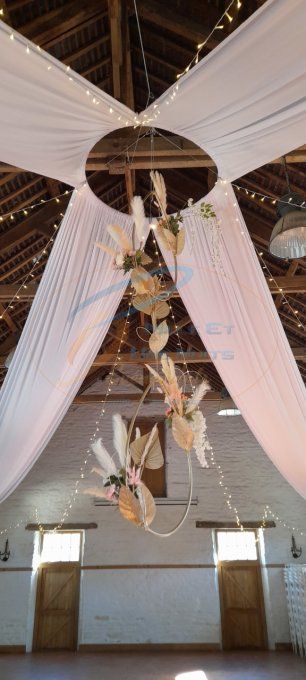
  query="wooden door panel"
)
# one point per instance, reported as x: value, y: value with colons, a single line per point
x: 245, y: 629
x: 57, y: 602
x: 241, y: 587
x: 242, y: 606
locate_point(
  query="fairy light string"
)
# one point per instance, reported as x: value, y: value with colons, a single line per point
x: 25, y: 211
x: 89, y: 90
x: 295, y: 312
x: 217, y: 27
x: 83, y: 470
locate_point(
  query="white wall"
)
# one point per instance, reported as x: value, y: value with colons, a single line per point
x: 148, y: 605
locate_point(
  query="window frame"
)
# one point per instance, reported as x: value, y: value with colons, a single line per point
x: 235, y: 561
x: 62, y: 531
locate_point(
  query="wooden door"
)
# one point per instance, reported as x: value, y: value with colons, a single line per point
x: 242, y: 606
x: 57, y: 606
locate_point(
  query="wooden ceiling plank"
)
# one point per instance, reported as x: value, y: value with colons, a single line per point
x: 290, y: 284
x: 65, y: 17
x: 5, y: 316
x: 152, y: 397
x: 291, y: 271
x: 41, y: 221
x: 114, y: 10
x: 184, y: 27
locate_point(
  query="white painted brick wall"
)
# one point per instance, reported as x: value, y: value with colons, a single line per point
x: 140, y: 605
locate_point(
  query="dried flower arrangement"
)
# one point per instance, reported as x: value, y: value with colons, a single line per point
x: 122, y: 484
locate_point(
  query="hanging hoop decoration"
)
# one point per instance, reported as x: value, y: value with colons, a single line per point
x: 124, y: 485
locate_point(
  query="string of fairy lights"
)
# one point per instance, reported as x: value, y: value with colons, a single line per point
x: 36, y: 260
x: 11, y: 213
x: 295, y: 312
x: 217, y: 27
x: 91, y: 92
x: 114, y: 108
x: 88, y: 452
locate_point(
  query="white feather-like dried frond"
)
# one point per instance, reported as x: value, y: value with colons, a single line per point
x: 137, y: 433
x: 95, y: 491
x: 148, y: 444
x: 120, y: 237
x: 120, y: 437
x: 106, y: 249
x: 104, y: 459
x: 139, y: 217
x: 198, y: 395
x: 160, y: 191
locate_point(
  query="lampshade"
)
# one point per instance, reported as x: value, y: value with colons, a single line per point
x: 288, y: 238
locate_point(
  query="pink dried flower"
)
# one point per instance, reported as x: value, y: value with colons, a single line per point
x: 111, y: 493
x: 134, y: 476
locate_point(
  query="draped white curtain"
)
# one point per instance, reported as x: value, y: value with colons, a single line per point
x: 234, y: 313
x: 70, y: 316
x: 244, y: 104
x: 48, y: 122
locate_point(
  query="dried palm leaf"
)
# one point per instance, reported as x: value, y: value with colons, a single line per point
x: 182, y: 433
x: 167, y: 239
x: 159, y: 338
x: 143, y: 303
x: 147, y: 504
x: 129, y: 506
x: 147, y: 449
x: 180, y: 242
x: 142, y: 281
x: 162, y: 309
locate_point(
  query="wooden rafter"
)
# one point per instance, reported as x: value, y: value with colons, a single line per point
x: 289, y: 284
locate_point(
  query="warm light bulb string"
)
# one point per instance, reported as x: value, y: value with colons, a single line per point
x: 88, y: 453
x: 216, y: 27
x: 76, y: 79
x: 26, y: 209
x: 23, y: 285
x: 296, y: 319
x: 274, y: 199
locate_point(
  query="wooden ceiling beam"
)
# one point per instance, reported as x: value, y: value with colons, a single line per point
x: 41, y: 221
x: 154, y: 397
x: 52, y: 24
x: 289, y: 284
x: 159, y: 14
x: 114, y: 11
x: 139, y: 358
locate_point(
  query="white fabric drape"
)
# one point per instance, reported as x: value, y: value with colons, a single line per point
x: 235, y: 316
x: 70, y: 316
x: 245, y: 103
x: 48, y: 122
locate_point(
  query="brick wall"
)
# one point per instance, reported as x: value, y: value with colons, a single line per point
x: 148, y: 605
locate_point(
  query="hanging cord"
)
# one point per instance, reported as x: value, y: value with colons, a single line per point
x: 150, y: 93
x: 286, y: 173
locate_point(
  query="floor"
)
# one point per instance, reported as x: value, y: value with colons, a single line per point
x: 153, y: 666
